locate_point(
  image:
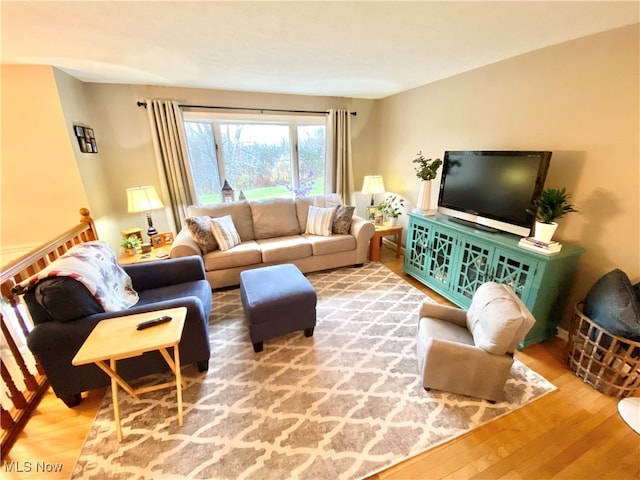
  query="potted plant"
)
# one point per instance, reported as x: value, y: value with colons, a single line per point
x: 426, y: 170
x: 390, y: 207
x: 554, y: 203
x: 131, y: 244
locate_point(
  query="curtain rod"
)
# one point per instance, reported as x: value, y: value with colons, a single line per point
x: 277, y: 110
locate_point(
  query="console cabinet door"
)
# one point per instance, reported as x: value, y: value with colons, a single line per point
x: 416, y: 259
x: 472, y: 269
x: 517, y: 271
x: 442, y: 259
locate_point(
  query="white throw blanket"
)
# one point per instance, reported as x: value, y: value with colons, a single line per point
x: 94, y: 264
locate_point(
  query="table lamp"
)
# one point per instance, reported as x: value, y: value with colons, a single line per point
x: 373, y: 184
x: 144, y: 199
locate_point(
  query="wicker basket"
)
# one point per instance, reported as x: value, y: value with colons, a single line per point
x: 609, y: 363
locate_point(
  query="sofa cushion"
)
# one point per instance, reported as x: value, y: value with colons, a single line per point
x: 225, y: 232
x: 239, y: 211
x: 342, y: 219
x: 274, y: 217
x: 333, y: 244
x: 283, y: 249
x: 497, y: 319
x: 320, y: 221
x: 200, y: 228
x: 246, y: 253
x: 613, y: 303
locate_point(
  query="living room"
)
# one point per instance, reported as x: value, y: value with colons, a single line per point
x: 577, y: 98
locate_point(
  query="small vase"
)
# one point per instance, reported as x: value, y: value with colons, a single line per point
x: 131, y: 251
x: 424, y: 199
x: 544, y: 231
x: 393, y: 221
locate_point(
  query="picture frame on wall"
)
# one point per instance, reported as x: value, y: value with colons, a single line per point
x: 86, y: 139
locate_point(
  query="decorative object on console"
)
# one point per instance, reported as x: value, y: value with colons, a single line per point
x: 228, y: 195
x: 86, y: 139
x: 530, y: 243
x: 144, y: 199
x: 552, y: 204
x: 372, y: 185
x: 426, y: 171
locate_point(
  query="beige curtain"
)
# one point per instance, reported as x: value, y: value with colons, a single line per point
x: 167, y: 132
x: 340, y: 172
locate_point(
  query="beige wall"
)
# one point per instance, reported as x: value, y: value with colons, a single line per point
x: 579, y: 99
x: 42, y: 189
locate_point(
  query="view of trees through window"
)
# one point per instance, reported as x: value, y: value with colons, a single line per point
x: 260, y: 159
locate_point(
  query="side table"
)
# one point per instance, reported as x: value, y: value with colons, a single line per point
x: 154, y: 255
x: 117, y: 338
x: 384, y: 231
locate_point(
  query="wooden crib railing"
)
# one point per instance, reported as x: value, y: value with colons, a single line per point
x: 23, y: 378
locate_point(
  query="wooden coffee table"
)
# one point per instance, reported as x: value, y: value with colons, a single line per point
x: 117, y: 338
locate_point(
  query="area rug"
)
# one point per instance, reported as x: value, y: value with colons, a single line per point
x: 343, y: 404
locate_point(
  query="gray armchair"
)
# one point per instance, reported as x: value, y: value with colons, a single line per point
x: 471, y: 353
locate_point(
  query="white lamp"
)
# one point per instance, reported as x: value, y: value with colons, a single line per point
x: 373, y: 184
x: 144, y: 199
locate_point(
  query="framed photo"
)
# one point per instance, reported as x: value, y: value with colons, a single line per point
x: 371, y: 213
x: 167, y: 238
x: 157, y: 240
x: 86, y: 139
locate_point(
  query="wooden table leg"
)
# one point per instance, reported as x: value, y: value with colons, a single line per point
x: 174, y: 365
x: 374, y: 246
x: 398, y: 245
x: 116, y: 408
x: 176, y: 354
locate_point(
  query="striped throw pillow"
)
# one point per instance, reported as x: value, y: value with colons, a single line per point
x: 320, y: 221
x: 225, y: 233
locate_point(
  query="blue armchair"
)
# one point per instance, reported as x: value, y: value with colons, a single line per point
x: 64, y: 313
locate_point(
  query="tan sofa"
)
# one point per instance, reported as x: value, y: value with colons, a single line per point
x: 273, y: 232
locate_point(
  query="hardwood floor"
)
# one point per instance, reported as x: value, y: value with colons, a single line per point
x: 572, y: 433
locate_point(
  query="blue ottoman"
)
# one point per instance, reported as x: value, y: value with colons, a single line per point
x: 277, y: 300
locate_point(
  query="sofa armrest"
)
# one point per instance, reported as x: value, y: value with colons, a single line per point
x: 184, y: 245
x: 362, y: 230
x: 145, y: 276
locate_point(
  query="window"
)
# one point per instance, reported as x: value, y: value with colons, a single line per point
x: 260, y: 158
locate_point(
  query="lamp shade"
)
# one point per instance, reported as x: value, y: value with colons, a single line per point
x: 142, y: 199
x: 373, y: 184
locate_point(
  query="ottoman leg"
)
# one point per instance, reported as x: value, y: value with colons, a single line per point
x: 308, y: 332
x: 257, y: 347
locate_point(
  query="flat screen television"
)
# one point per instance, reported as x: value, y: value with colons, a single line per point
x: 492, y: 190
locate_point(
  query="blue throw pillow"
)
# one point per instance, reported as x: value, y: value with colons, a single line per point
x: 614, y: 304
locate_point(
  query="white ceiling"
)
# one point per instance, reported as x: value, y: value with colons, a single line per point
x: 352, y: 49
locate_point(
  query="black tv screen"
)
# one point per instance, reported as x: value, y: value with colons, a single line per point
x: 493, y: 188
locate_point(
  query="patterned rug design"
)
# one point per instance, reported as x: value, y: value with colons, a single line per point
x: 343, y: 404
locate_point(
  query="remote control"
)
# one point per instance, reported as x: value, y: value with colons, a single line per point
x: 153, y: 322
